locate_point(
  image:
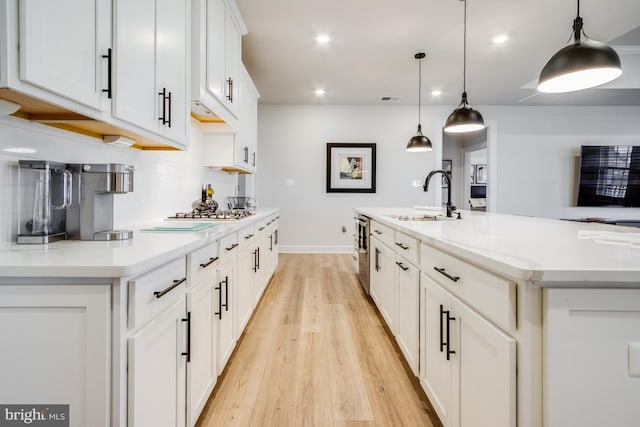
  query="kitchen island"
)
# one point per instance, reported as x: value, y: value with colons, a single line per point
x: 134, y: 332
x: 511, y: 320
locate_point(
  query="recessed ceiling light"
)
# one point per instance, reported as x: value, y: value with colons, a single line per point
x: 499, y: 39
x: 319, y: 92
x: 436, y: 92
x: 323, y: 39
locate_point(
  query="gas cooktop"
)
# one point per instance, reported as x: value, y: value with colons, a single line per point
x: 208, y: 215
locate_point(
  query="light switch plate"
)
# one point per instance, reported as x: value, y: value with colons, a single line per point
x: 634, y: 359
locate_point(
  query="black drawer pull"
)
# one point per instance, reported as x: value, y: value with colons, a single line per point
x: 377, y: 232
x: 188, y: 352
x: 108, y: 58
x: 444, y: 273
x: 160, y: 294
x: 232, y: 247
x: 248, y: 236
x: 208, y: 263
x: 402, y: 266
x: 405, y: 247
x: 261, y: 228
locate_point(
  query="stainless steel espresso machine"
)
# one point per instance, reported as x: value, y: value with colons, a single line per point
x: 90, y: 215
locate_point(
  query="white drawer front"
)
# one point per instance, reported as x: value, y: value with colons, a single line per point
x: 407, y: 247
x: 203, y: 263
x: 228, y: 245
x: 156, y: 290
x: 247, y: 234
x: 491, y: 295
x: 382, y: 232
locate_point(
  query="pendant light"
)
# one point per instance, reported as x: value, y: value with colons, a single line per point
x: 583, y: 64
x: 464, y: 118
x: 419, y: 142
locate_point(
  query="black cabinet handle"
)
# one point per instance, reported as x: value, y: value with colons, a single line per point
x: 444, y: 273
x: 255, y: 261
x: 277, y: 235
x: 258, y: 257
x: 378, y: 259
x: 230, y: 89
x: 261, y: 228
x: 449, y: 319
x: 232, y: 247
x: 271, y: 242
x: 208, y: 263
x: 108, y: 58
x: 188, y: 352
x: 226, y: 294
x: 402, y: 266
x: 248, y: 236
x: 169, y: 114
x: 219, y: 312
x: 254, y: 158
x: 378, y: 232
x: 160, y: 294
x: 163, y: 95
x: 246, y: 154
x: 400, y: 244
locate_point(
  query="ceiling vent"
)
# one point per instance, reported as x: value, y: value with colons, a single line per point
x: 389, y: 98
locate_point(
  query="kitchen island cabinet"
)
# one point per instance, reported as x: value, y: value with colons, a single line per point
x: 61, y: 332
x: 139, y: 343
x: 515, y: 359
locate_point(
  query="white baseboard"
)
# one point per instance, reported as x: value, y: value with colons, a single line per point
x: 300, y: 249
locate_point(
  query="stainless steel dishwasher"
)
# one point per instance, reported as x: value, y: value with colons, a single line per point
x: 362, y: 223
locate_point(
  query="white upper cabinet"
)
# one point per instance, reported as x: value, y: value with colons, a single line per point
x: 151, y: 65
x: 65, y: 46
x: 216, y: 34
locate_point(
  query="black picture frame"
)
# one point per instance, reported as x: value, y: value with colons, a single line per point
x: 351, y: 167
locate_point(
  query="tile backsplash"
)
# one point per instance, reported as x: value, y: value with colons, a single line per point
x: 165, y: 182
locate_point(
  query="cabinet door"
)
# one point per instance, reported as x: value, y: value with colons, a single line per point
x: 56, y: 347
x: 215, y: 51
x: 223, y: 307
x: 383, y: 287
x: 202, y: 367
x: 156, y: 371
x: 245, y: 289
x: 247, y: 137
x: 171, y: 22
x: 485, y: 378
x: 136, y: 98
x: 232, y: 63
x: 592, y: 357
x: 408, y: 318
x: 61, y: 48
x: 435, y: 370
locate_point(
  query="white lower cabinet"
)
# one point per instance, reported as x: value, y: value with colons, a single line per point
x: 468, y: 367
x: 202, y: 367
x: 591, y: 357
x: 224, y: 306
x: 407, y: 336
x: 247, y: 267
x: 158, y: 355
x: 56, y: 345
x: 383, y: 286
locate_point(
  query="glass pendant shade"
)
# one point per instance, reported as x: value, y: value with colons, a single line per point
x: 464, y: 118
x: 583, y: 64
x: 419, y: 142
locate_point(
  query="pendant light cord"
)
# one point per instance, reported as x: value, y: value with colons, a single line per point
x: 419, y: 87
x: 464, y: 51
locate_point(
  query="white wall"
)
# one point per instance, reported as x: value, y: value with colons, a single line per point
x: 164, y: 181
x: 535, y: 157
x: 292, y: 145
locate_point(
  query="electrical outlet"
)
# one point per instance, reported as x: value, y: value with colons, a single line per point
x: 344, y: 229
x: 289, y: 182
x: 415, y: 183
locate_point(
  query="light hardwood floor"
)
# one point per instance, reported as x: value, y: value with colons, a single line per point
x: 316, y: 353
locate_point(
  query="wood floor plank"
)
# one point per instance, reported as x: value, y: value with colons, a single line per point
x: 315, y: 353
x: 350, y: 400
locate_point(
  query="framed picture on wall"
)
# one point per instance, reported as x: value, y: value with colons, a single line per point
x: 481, y: 174
x: 447, y: 166
x: 351, y: 167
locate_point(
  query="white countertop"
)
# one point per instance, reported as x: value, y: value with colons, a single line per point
x: 545, y: 251
x: 146, y: 250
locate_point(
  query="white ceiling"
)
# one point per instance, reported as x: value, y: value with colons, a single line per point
x: 371, y: 54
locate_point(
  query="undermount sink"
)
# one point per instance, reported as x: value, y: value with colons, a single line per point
x: 422, y: 217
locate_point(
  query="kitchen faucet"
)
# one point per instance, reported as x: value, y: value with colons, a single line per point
x: 425, y: 187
